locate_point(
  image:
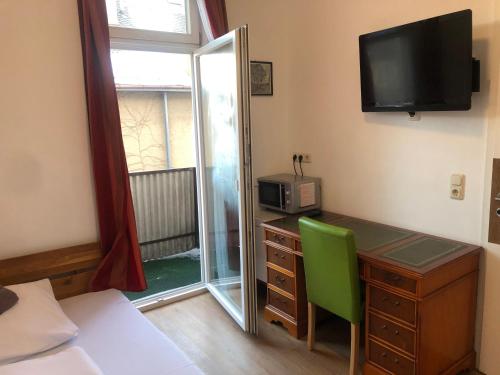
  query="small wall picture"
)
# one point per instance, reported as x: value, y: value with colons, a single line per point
x: 261, y: 76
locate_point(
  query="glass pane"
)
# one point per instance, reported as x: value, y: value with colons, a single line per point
x: 370, y: 236
x: 154, y: 97
x: 157, y: 15
x: 222, y: 168
x: 423, y: 251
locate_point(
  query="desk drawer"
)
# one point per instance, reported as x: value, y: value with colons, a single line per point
x: 392, y: 304
x: 393, y: 279
x: 390, y: 360
x: 392, y: 333
x: 282, y: 303
x: 279, y: 239
x: 280, y: 258
x: 281, y: 280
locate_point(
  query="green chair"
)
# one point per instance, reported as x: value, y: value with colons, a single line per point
x: 332, y: 278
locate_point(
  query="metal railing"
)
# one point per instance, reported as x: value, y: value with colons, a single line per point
x: 166, y: 212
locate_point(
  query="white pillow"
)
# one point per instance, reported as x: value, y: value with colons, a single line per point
x: 35, y: 324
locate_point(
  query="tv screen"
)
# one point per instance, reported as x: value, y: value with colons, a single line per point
x: 421, y: 66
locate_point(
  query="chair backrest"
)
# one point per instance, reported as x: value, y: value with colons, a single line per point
x: 331, y: 268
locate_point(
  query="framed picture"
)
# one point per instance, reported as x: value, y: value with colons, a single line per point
x: 261, y: 77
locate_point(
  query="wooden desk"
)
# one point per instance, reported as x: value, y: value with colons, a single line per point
x: 419, y: 313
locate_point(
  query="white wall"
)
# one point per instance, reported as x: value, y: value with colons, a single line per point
x: 270, y: 115
x: 382, y: 166
x: 46, y: 192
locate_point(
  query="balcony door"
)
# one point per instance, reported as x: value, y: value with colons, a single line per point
x: 223, y: 132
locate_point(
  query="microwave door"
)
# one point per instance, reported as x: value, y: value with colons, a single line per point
x: 271, y: 195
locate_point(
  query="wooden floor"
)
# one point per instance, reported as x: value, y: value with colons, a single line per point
x: 203, y: 330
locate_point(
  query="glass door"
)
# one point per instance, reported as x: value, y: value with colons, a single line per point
x: 222, y: 107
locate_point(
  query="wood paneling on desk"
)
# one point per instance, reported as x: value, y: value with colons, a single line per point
x: 420, y: 294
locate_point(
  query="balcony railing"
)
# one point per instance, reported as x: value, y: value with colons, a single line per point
x: 166, y: 212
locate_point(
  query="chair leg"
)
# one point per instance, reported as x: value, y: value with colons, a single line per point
x: 353, y: 369
x: 311, y: 325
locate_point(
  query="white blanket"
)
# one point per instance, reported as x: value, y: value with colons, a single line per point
x: 72, y: 361
x: 120, y: 340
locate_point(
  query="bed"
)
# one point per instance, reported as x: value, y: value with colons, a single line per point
x: 114, y: 334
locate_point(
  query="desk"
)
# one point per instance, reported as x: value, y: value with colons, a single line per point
x: 420, y: 294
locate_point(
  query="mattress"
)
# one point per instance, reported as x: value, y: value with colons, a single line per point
x: 120, y: 340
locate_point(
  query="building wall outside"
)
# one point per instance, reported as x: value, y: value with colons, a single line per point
x: 144, y: 116
x: 181, y: 129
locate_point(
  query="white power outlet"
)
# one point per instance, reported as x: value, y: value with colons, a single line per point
x: 306, y: 158
x: 457, y: 186
x: 416, y: 117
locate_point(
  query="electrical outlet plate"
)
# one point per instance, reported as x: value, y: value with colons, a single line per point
x: 306, y: 158
x: 416, y: 117
x: 457, y: 186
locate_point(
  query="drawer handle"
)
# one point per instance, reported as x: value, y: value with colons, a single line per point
x: 284, y: 301
x: 384, y: 354
x: 393, y: 278
x: 384, y: 326
x: 397, y: 303
x: 396, y: 361
x: 385, y: 299
x: 282, y: 257
x: 280, y: 279
x: 396, y: 332
x: 278, y: 238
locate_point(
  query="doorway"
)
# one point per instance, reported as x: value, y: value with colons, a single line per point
x: 190, y: 170
x: 154, y: 92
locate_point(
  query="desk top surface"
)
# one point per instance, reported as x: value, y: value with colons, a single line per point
x: 417, y: 252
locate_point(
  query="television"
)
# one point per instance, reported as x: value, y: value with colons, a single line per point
x: 421, y: 66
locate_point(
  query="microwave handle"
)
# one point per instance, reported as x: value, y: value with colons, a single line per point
x: 282, y: 198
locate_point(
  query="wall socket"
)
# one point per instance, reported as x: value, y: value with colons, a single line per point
x: 306, y: 157
x: 457, y: 186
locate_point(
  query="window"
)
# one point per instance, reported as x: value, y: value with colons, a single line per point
x: 159, y: 15
x: 152, y: 42
x: 153, y: 80
x: 174, y: 21
x: 154, y: 96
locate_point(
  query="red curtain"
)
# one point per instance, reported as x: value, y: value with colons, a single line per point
x: 121, y: 267
x: 217, y: 16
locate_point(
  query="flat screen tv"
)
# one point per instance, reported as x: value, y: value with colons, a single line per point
x: 422, y: 66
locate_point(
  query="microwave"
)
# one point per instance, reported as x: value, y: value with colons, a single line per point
x: 289, y: 193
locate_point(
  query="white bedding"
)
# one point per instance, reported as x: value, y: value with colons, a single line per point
x: 119, y: 339
x: 35, y: 324
x: 72, y: 361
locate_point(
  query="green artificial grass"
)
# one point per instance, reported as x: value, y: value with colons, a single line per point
x: 169, y: 273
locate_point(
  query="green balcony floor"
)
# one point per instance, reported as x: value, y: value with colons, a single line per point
x: 169, y: 273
